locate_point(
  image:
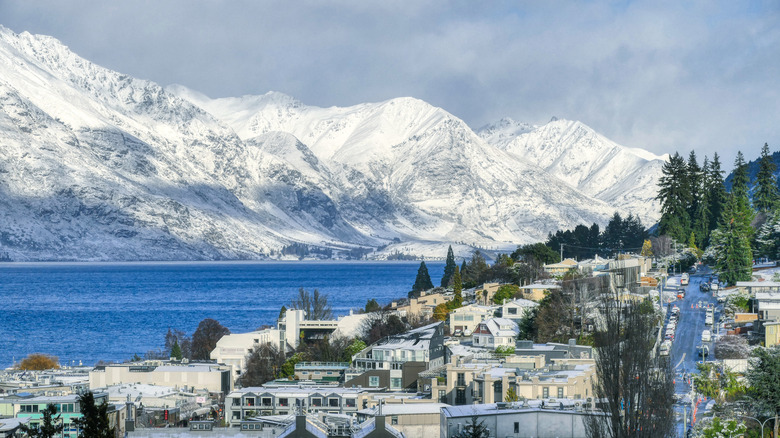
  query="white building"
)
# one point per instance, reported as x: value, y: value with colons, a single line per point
x: 496, y: 332
x: 516, y: 309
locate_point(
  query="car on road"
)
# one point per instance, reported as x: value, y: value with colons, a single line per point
x: 703, y: 350
x: 458, y: 332
x: 706, y: 336
x: 704, y: 287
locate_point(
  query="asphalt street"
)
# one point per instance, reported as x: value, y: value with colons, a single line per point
x: 684, y: 355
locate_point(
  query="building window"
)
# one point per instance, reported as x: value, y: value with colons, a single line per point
x: 333, y: 402
x: 517, y: 427
x: 373, y: 381
x: 316, y: 401
x: 394, y: 420
x: 560, y: 392
x: 545, y: 392
x: 249, y: 401
x: 236, y: 415
x: 461, y: 379
x: 283, y: 402
x: 350, y: 402
x: 442, y: 396
x: 236, y: 402
x: 512, y: 310
x: 395, y: 382
x: 266, y: 401
x: 498, y: 390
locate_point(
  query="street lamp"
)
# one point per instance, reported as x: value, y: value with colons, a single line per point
x: 757, y: 421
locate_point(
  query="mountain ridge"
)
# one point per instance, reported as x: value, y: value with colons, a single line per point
x: 98, y: 165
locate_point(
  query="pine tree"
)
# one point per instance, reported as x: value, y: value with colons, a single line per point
x: 475, y: 429
x: 734, y: 257
x: 94, y: 421
x: 176, y: 351
x: 449, y: 268
x: 701, y: 216
x: 739, y: 195
x: 674, y: 195
x: 766, y: 186
x: 716, y: 192
x: 457, y: 286
x: 768, y: 238
x: 422, y: 281
x: 739, y: 185
x: 695, y: 178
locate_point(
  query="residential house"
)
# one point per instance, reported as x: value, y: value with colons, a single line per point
x: 395, y: 361
x: 68, y: 407
x: 537, y: 291
x: 496, y: 332
x: 561, y: 268
x: 321, y: 371
x: 484, y: 295
x: 468, y: 317
x: 422, y: 305
x: 516, y: 310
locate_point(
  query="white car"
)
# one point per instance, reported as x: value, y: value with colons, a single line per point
x: 706, y: 336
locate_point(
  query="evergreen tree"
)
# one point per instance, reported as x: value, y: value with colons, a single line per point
x: 716, y: 192
x: 50, y: 427
x: 475, y: 429
x: 739, y: 195
x: 695, y: 178
x: 734, y: 258
x: 739, y: 185
x: 768, y: 238
x: 674, y: 196
x: 449, y: 268
x: 766, y: 186
x: 176, y: 351
x: 422, y: 281
x: 94, y: 421
x: 457, y: 286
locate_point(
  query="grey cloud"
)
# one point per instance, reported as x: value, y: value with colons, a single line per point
x: 659, y: 75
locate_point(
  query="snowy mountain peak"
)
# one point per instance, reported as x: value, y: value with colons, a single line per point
x: 98, y: 165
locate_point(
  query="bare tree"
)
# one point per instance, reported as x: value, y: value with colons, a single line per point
x: 205, y: 338
x: 634, y: 387
x: 263, y: 364
x: 732, y: 347
x: 381, y: 324
x: 314, y: 304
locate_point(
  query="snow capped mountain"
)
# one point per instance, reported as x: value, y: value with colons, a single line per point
x: 97, y: 165
x: 573, y: 152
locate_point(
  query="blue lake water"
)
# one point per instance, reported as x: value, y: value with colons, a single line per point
x: 109, y: 311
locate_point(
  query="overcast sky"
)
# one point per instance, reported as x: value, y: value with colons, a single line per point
x: 661, y: 75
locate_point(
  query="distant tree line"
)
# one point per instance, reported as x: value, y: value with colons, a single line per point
x: 620, y: 235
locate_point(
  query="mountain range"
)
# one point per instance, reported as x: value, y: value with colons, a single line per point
x: 98, y: 165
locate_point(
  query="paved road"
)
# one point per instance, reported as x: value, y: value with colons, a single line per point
x: 688, y: 336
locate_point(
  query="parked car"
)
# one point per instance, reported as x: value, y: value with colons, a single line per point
x: 706, y: 336
x: 704, y: 287
x: 467, y: 332
x: 457, y: 332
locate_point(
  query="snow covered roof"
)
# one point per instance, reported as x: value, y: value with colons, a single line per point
x: 501, y: 327
x: 540, y: 286
x: 406, y: 409
x: 417, y: 339
x: 522, y: 302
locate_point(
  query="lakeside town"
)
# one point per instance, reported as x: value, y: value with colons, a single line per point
x: 446, y: 361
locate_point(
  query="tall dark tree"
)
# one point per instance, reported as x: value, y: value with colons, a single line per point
x: 315, y: 305
x: 538, y: 253
x: 205, y: 338
x: 716, y: 190
x: 472, y: 275
x: 457, y: 286
x: 731, y: 242
x: 741, y: 210
x: 695, y: 180
x: 674, y: 195
x: 766, y: 185
x: 449, y: 268
x: 634, y: 384
x: 763, y: 377
x: 178, y: 337
x: 94, y: 422
x: 50, y: 427
x: 176, y: 351
x: 422, y: 281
